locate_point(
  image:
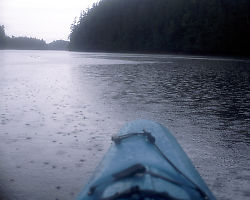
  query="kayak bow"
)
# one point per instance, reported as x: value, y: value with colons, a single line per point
x: 145, y: 162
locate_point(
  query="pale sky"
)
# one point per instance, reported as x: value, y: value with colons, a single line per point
x: 44, y: 19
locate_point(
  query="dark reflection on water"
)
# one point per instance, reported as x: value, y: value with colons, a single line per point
x: 215, y: 91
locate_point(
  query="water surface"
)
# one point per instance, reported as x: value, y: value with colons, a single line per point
x: 58, y: 111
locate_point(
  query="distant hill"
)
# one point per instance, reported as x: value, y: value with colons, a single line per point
x: 58, y: 45
x: 181, y: 26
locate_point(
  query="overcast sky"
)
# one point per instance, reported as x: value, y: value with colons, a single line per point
x: 44, y: 19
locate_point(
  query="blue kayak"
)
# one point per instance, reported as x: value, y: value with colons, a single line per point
x: 145, y: 162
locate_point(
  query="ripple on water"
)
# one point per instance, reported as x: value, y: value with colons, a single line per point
x: 54, y: 101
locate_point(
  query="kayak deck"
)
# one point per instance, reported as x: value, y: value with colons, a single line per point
x: 145, y: 158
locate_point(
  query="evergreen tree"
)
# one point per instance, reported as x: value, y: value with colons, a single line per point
x: 2, y: 37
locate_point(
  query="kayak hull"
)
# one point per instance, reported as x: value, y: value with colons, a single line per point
x: 167, y: 168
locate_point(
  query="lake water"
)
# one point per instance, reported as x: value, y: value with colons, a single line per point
x: 58, y: 111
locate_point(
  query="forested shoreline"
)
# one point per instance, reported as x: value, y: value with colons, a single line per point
x: 170, y: 26
x: 29, y: 43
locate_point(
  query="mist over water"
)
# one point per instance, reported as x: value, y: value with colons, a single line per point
x: 58, y: 111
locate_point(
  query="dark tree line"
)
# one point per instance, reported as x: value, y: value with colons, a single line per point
x: 20, y: 42
x: 24, y: 43
x: 188, y: 26
x: 29, y: 43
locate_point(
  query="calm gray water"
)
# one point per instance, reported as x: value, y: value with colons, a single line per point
x: 58, y: 111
